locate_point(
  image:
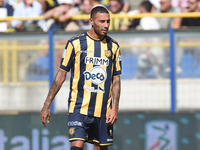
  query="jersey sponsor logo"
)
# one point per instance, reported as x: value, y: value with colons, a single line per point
x: 109, y: 140
x: 75, y: 123
x: 119, y: 58
x: 107, y: 53
x: 97, y: 61
x: 71, y: 131
x: 86, y: 51
x: 111, y: 134
x: 97, y: 75
x: 92, y: 89
x: 64, y: 53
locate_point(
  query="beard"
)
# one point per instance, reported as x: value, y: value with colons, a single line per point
x: 98, y: 30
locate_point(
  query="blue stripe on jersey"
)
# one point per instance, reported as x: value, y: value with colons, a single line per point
x: 71, y: 81
x: 97, y: 53
x: 107, y: 83
x: 83, y: 47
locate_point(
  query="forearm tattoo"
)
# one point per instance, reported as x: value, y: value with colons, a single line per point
x: 116, y: 93
x: 55, y: 87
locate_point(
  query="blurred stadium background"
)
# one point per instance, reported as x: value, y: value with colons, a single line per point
x: 159, y: 105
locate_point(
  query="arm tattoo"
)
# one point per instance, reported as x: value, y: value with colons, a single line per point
x: 55, y: 87
x: 116, y: 93
x: 53, y: 90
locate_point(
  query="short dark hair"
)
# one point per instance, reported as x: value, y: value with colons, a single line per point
x: 96, y: 9
x: 147, y: 5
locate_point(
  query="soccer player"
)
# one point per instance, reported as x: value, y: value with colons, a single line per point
x: 95, y: 63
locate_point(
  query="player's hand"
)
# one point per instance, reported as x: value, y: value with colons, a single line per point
x: 111, y: 117
x: 45, y: 115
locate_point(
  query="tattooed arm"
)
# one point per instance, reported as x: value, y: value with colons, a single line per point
x: 55, y: 87
x: 112, y: 116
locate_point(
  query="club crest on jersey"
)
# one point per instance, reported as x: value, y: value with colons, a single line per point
x: 97, y: 75
x: 107, y: 53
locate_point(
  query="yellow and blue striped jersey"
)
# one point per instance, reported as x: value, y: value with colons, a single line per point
x: 92, y: 63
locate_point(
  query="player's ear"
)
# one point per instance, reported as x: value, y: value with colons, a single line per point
x: 91, y: 21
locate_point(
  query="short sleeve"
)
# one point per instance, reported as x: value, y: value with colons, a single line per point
x: 67, y: 57
x: 117, y: 63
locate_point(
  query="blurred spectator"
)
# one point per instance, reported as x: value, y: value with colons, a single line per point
x: 188, y: 23
x: 134, y: 22
x: 37, y: 67
x: 85, y: 9
x: 48, y: 4
x: 151, y: 57
x: 117, y: 24
x: 133, y: 4
x: 9, y: 10
x: 62, y: 15
x: 13, y: 3
x: 95, y: 2
x: 192, y: 22
x: 28, y: 8
x: 43, y: 3
x: 126, y: 6
x: 166, y: 23
x: 180, y: 3
x: 156, y: 5
x: 77, y: 3
x: 148, y: 23
x: 42, y: 63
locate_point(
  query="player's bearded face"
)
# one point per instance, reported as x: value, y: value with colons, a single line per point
x: 101, y: 23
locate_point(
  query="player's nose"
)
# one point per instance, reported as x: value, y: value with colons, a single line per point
x: 106, y: 25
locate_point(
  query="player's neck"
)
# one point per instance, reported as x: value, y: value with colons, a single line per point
x: 94, y: 35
